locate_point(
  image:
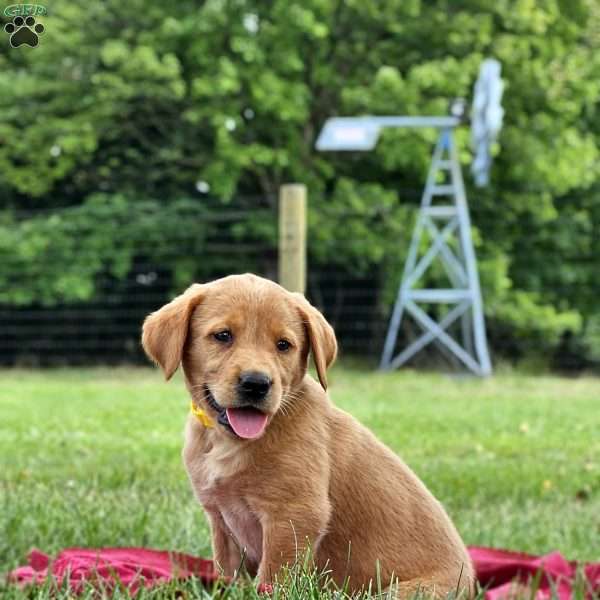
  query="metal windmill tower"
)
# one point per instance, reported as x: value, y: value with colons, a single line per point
x: 442, y: 232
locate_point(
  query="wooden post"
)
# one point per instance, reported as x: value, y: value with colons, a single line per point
x: 292, y: 237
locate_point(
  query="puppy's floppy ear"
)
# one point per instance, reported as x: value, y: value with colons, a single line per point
x: 321, y: 337
x: 165, y: 331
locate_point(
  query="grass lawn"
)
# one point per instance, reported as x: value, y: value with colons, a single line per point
x: 92, y: 458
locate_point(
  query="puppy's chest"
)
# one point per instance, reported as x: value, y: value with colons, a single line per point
x: 212, y: 467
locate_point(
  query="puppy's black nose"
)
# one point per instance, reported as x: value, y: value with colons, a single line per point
x: 254, y: 385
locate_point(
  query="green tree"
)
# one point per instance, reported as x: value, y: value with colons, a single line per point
x: 142, y: 103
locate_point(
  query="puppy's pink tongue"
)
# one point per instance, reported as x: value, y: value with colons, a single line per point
x: 247, y: 422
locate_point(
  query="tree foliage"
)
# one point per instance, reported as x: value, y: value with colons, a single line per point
x: 125, y: 103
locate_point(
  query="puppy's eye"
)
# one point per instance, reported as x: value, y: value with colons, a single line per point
x: 283, y: 345
x: 224, y: 336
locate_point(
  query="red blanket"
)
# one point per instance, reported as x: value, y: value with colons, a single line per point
x: 497, y: 570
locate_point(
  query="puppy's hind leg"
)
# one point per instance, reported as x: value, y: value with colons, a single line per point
x: 286, y: 541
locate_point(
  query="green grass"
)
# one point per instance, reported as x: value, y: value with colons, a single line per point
x: 92, y: 458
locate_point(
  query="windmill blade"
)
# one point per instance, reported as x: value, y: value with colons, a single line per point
x: 486, y: 118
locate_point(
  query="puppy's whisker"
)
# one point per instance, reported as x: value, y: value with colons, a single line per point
x: 287, y: 405
x: 283, y: 409
x: 292, y: 397
x: 198, y: 385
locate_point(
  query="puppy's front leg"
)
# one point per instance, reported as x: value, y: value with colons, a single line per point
x: 286, y: 540
x: 226, y: 553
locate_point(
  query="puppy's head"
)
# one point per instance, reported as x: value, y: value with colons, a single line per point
x: 244, y: 343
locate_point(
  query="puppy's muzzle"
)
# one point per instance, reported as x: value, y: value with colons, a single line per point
x: 253, y: 387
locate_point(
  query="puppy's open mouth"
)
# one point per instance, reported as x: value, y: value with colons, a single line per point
x: 245, y: 422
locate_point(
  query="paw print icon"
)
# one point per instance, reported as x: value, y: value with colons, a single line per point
x: 24, y: 31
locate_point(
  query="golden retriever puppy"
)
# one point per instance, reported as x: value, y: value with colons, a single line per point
x: 277, y: 467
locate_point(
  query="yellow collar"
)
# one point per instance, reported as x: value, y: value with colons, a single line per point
x: 201, y: 415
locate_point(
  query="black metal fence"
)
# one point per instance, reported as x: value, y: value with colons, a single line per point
x: 101, y: 323
x: 44, y: 328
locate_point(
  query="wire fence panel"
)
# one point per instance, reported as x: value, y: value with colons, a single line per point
x: 95, y: 315
x: 76, y: 283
